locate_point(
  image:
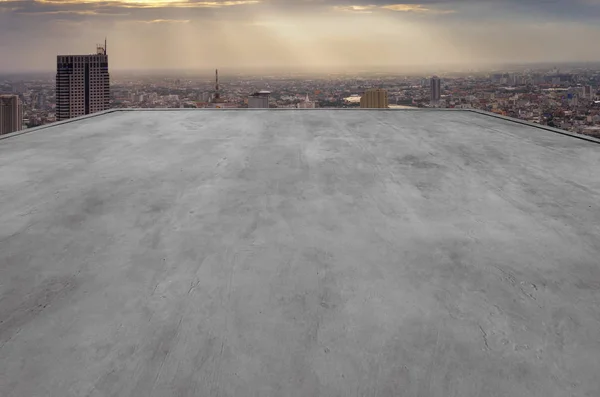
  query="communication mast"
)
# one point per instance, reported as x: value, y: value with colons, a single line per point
x: 217, y: 98
x: 100, y: 50
x: 217, y: 93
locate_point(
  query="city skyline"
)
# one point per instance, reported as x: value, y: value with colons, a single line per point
x: 323, y: 35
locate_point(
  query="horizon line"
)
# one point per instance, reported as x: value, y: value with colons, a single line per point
x: 323, y: 69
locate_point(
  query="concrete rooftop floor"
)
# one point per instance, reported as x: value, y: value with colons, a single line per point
x: 299, y: 253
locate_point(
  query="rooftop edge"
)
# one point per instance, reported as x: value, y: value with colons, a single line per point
x: 482, y: 112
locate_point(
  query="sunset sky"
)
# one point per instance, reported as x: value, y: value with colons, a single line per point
x: 298, y: 34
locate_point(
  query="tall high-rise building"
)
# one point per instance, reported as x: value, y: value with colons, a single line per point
x: 40, y: 101
x: 82, y: 84
x: 588, y: 92
x: 11, y: 114
x: 259, y: 100
x: 436, y: 90
x: 375, y: 98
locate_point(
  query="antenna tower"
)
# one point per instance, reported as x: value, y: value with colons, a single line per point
x: 217, y: 93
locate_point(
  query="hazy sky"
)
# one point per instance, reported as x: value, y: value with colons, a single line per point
x: 298, y: 34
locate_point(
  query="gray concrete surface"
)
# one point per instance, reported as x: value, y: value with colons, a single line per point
x: 299, y: 253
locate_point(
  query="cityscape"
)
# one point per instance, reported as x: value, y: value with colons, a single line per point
x: 564, y: 97
x: 303, y: 198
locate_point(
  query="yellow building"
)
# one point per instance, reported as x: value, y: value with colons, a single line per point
x: 376, y: 98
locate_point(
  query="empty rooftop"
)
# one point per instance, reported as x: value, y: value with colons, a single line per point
x: 299, y: 253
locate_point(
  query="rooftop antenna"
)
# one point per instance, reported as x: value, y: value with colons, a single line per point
x: 104, y: 45
x: 217, y: 94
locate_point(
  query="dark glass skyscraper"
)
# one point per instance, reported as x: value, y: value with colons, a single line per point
x: 82, y: 84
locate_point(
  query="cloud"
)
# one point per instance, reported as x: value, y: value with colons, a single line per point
x: 416, y: 8
x: 165, y: 21
x: 573, y: 10
x: 75, y: 12
x: 408, y: 8
x: 182, y: 4
x: 583, y: 10
x: 154, y: 3
x: 365, y: 9
x: 82, y: 6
